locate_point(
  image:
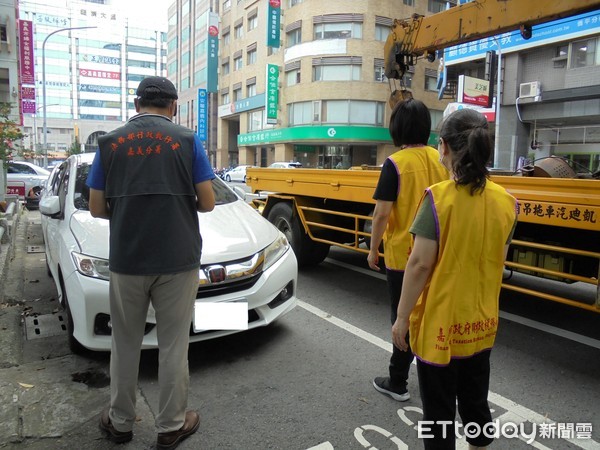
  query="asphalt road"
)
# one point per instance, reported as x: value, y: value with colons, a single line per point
x: 304, y: 382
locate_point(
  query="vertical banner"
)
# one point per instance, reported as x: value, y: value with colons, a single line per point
x: 212, y: 62
x: 273, y: 23
x: 26, y: 68
x: 202, y: 114
x: 272, y: 97
x: 26, y: 52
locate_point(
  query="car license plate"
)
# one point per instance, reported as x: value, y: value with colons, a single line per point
x: 221, y: 316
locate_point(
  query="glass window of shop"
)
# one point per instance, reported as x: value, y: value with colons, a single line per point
x: 584, y: 53
x: 345, y: 156
x: 339, y: 112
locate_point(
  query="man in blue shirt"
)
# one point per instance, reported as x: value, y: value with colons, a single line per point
x: 150, y: 177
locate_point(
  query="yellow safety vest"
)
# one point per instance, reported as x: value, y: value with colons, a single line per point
x: 418, y: 168
x: 457, y: 313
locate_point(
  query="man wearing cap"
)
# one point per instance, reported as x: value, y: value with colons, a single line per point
x: 149, y: 178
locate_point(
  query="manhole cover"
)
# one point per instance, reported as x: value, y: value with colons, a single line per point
x: 35, y: 249
x: 45, y: 325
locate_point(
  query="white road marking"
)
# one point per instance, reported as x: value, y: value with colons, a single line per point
x: 511, y: 406
x: 551, y: 330
x: 595, y: 343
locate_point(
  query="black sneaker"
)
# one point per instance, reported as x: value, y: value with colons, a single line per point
x: 384, y: 385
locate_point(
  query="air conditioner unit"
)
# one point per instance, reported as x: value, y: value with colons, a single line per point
x: 531, y: 89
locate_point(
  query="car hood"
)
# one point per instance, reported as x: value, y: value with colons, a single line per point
x: 231, y: 231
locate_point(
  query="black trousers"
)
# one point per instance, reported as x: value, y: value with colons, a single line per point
x: 400, y: 361
x: 466, y: 380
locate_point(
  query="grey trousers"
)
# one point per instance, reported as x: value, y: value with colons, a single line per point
x: 172, y: 297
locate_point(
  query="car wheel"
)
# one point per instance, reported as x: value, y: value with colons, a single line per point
x: 308, y: 253
x: 228, y: 178
x: 74, y: 344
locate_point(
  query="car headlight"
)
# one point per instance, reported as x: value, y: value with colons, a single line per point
x: 275, y: 251
x: 91, y: 267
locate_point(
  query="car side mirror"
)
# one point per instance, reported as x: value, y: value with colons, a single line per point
x: 50, y: 206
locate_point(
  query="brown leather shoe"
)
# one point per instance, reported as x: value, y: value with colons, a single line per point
x: 170, y: 440
x: 118, y: 437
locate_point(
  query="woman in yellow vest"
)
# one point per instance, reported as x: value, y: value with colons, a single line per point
x: 449, y: 298
x: 404, y: 176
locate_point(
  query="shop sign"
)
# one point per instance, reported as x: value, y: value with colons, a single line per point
x: 272, y: 98
x: 202, y: 114
x: 273, y: 23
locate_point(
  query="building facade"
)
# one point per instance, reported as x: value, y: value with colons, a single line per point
x: 91, y: 74
x: 9, y: 69
x: 549, y: 91
x: 298, y: 80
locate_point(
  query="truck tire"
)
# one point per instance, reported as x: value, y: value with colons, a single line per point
x: 308, y: 253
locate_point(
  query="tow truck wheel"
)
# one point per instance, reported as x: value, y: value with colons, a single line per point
x: 308, y: 252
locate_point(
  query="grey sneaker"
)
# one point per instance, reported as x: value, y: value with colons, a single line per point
x: 384, y: 385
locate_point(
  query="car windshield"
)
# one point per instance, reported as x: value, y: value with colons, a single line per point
x: 223, y: 194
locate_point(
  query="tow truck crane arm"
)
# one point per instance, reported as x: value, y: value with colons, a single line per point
x: 424, y: 35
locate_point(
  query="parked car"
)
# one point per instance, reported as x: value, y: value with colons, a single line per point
x: 286, y: 165
x: 236, y: 174
x: 27, y: 180
x: 255, y: 259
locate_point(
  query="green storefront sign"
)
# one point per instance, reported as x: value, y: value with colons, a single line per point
x: 322, y: 134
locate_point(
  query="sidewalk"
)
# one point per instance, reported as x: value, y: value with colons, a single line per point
x: 49, y: 398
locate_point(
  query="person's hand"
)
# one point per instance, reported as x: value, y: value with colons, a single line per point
x: 399, y: 332
x: 373, y: 260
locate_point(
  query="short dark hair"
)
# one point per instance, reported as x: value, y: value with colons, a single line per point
x: 410, y: 123
x: 466, y: 134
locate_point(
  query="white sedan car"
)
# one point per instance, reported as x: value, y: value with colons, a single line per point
x: 253, y: 260
x: 236, y: 174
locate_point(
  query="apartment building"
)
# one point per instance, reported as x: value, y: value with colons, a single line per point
x: 297, y: 80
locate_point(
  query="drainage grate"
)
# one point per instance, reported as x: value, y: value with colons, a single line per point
x: 45, y: 325
x: 35, y: 249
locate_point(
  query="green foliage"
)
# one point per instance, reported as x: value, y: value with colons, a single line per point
x: 10, y: 133
x: 75, y: 148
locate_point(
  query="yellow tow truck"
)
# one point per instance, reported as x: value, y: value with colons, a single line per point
x: 557, y: 236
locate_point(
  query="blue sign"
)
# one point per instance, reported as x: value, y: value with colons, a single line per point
x: 202, y: 114
x: 546, y: 33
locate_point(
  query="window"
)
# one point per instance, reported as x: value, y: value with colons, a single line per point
x: 252, y: 22
x: 381, y: 32
x: 255, y: 120
x: 237, y: 63
x: 583, y: 53
x: 409, y: 2
x: 172, y: 68
x: 3, y: 33
x: 294, y: 2
x: 251, y: 90
x: 172, y: 46
x: 225, y: 99
x: 200, y: 50
x: 237, y: 94
x: 346, y: 72
x: 226, y: 38
x: 340, y: 30
x: 185, y: 59
x: 380, y: 74
x: 238, y: 31
x: 294, y: 37
x: 347, y: 112
x: 200, y: 76
x: 292, y: 77
x: 185, y: 34
x: 226, y: 5
x: 430, y: 82
x: 225, y: 68
x: 251, y: 57
x: 435, y: 6
x: 560, y: 58
x: 185, y: 83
